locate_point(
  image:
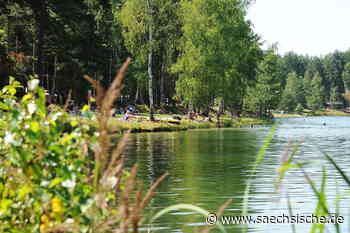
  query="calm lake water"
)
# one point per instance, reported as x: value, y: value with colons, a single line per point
x: 208, y: 167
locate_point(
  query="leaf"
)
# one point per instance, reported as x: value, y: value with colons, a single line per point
x: 27, y: 97
x: 85, y: 108
x: 4, y: 106
x: 55, y: 182
x: 24, y: 191
x: 34, y: 126
x: 260, y: 156
x: 74, y: 123
x: 12, y: 91
x: 66, y: 138
x: 41, y: 101
x: 342, y: 173
x: 319, y: 211
x: 322, y: 202
x: 5, y: 204
x: 290, y: 210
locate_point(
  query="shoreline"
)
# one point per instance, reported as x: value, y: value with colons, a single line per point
x: 165, y: 125
x: 318, y: 113
x: 183, y: 125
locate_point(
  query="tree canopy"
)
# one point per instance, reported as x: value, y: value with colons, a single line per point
x: 199, y: 54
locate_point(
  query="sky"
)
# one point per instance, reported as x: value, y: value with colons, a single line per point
x: 313, y: 27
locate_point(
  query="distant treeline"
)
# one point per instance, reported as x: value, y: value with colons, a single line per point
x: 315, y: 82
x: 200, y: 54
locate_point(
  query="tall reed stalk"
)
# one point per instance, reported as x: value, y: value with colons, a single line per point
x: 259, y: 158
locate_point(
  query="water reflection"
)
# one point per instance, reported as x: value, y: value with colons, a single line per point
x: 208, y: 167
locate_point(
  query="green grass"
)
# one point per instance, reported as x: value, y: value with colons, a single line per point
x: 330, y: 112
x: 308, y: 113
x: 142, y: 124
x: 148, y: 126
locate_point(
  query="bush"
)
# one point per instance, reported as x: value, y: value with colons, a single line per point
x: 56, y: 175
x: 44, y: 158
x: 227, y: 123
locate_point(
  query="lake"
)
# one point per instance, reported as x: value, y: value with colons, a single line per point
x: 208, y: 167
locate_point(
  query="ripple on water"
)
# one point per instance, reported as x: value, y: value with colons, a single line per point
x: 207, y: 167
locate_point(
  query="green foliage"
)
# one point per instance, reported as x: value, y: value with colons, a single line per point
x: 3, y: 37
x: 314, y: 98
x: 265, y: 95
x: 202, y: 51
x: 134, y: 18
x: 299, y: 108
x: 43, y: 159
x: 219, y: 52
x: 293, y: 93
x: 346, y: 76
x: 46, y: 169
x: 332, y: 76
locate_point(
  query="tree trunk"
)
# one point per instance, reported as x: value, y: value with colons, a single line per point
x: 150, y: 58
x: 190, y: 111
x: 150, y: 81
x: 41, y: 18
x: 162, y: 96
x: 40, y: 68
x: 33, y: 64
x: 235, y: 111
x: 54, y: 77
x: 142, y: 95
x: 137, y: 94
x: 219, y: 112
x: 260, y: 111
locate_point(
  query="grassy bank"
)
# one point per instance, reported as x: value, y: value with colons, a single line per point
x: 324, y: 112
x: 164, y: 126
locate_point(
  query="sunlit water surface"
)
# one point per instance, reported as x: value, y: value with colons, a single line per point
x: 208, y: 167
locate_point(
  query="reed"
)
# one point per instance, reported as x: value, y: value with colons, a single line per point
x: 322, y: 208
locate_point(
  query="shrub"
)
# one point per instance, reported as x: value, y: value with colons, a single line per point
x: 56, y: 175
x: 227, y: 123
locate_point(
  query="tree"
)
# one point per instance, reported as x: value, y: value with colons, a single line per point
x: 293, y: 62
x: 265, y: 95
x: 346, y: 80
x: 63, y: 40
x: 307, y: 83
x: 219, y: 53
x: 293, y: 93
x: 150, y: 32
x: 346, y: 77
x: 334, y: 65
x: 315, y: 99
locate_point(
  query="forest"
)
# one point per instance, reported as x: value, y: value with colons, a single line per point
x: 195, y: 55
x: 75, y: 158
